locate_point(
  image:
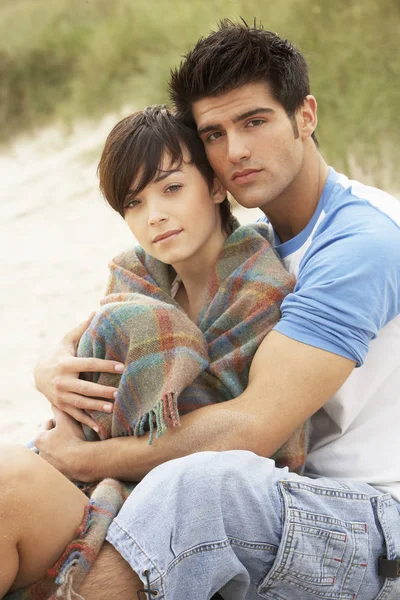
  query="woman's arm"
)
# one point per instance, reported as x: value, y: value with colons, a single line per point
x: 57, y: 377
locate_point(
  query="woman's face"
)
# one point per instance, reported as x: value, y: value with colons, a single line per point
x: 176, y: 217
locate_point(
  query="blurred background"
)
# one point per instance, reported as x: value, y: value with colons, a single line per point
x: 69, y: 69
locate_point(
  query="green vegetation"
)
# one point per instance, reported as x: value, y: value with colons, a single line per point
x: 71, y: 58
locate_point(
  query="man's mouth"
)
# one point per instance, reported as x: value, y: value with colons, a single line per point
x: 167, y: 235
x: 245, y: 176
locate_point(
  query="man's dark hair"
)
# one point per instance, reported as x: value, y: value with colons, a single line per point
x: 235, y: 55
x: 135, y: 148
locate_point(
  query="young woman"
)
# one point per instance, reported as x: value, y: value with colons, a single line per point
x: 185, y: 311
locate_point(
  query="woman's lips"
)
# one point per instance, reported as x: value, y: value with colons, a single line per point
x: 163, y: 237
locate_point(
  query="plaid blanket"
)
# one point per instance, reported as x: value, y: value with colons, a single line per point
x: 172, y: 365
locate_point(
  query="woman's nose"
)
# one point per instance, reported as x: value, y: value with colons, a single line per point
x: 156, y: 217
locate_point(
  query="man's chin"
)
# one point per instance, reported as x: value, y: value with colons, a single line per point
x: 250, y: 202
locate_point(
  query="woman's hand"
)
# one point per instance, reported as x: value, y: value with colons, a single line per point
x: 57, y: 377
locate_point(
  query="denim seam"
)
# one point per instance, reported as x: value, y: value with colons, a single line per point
x: 196, y: 550
x: 229, y: 541
x: 319, y: 594
x: 351, y: 562
x: 136, y: 543
x: 389, y: 540
x: 318, y: 518
x: 253, y: 545
x: 386, y: 589
x: 335, y: 535
x: 379, y: 502
x: 325, y: 491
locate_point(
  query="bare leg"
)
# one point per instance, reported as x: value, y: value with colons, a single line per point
x: 110, y: 576
x: 40, y: 512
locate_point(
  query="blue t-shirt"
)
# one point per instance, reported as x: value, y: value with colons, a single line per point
x: 347, y: 264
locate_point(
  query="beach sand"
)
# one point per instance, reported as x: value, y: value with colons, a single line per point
x: 57, y: 236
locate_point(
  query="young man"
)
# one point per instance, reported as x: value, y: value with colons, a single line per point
x: 259, y: 531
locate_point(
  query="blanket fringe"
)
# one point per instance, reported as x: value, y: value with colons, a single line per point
x: 164, y: 416
x: 66, y: 591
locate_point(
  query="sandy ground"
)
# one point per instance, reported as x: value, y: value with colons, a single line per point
x: 56, y: 238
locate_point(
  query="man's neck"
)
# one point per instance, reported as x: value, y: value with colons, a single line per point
x: 293, y: 210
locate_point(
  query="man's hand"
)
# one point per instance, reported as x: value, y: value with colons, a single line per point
x: 57, y: 377
x: 60, y: 442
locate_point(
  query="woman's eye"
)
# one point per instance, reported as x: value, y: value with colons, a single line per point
x: 132, y: 204
x: 214, y: 136
x: 174, y: 187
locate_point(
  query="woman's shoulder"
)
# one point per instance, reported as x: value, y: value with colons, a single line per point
x: 128, y: 257
x: 257, y: 230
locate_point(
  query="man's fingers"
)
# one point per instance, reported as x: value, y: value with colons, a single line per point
x: 42, y: 433
x: 90, y: 365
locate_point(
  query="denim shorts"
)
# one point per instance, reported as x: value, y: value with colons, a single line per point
x: 231, y: 522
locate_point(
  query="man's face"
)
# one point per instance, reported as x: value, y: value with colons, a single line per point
x: 251, y: 143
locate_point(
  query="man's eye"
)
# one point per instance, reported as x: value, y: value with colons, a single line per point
x: 255, y: 122
x: 174, y: 187
x: 214, y: 136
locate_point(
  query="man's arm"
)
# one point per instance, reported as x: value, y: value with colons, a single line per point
x: 289, y: 381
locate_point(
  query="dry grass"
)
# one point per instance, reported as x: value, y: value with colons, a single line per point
x: 69, y: 58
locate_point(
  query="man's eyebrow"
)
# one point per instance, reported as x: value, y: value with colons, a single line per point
x: 237, y: 119
x: 251, y: 113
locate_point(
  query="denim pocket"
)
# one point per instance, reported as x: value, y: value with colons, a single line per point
x: 316, y: 552
x: 321, y: 554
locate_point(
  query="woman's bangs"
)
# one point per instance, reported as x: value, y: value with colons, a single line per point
x: 146, y: 167
x: 145, y: 159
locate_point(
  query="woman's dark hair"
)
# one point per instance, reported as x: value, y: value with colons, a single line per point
x: 135, y: 148
x: 236, y: 55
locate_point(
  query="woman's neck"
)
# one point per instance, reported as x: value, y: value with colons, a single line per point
x: 195, y: 273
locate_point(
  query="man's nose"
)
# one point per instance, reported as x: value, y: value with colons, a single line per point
x: 237, y: 149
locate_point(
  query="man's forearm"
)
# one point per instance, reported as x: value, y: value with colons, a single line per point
x: 298, y: 380
x: 217, y: 427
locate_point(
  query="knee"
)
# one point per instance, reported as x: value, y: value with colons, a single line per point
x: 210, y: 478
x: 201, y: 474
x: 206, y: 466
x: 207, y: 483
x: 17, y: 465
x: 188, y: 470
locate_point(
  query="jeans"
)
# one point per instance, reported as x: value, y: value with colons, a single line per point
x: 232, y: 522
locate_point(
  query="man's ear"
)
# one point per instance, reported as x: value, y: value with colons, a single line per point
x: 308, y: 119
x: 218, y: 191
